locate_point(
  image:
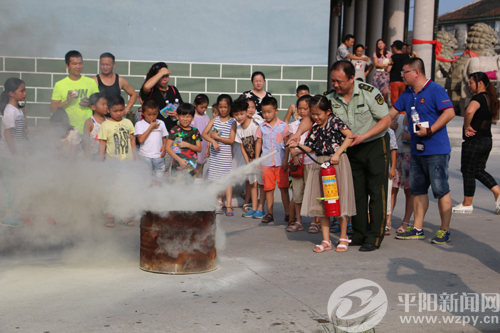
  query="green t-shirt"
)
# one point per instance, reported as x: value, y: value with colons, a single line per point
x: 117, y: 136
x: 85, y: 87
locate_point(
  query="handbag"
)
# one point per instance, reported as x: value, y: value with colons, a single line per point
x: 296, y: 171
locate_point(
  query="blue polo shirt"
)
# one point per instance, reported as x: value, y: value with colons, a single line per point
x: 429, y: 102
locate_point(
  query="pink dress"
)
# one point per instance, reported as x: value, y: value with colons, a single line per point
x: 200, y: 122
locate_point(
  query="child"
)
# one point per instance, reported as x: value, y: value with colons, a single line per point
x: 329, y: 137
x: 152, y: 136
x: 292, y: 113
x: 220, y: 132
x: 251, y: 111
x: 69, y: 145
x: 298, y: 184
x: 13, y: 142
x: 245, y: 136
x: 215, y: 110
x: 184, y: 142
x: 392, y: 174
x: 201, y: 121
x: 116, y: 135
x: 271, y: 135
x: 99, y: 106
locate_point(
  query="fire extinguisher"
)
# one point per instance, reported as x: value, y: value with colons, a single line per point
x: 330, y: 190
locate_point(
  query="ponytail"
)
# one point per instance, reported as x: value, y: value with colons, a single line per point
x: 10, y: 85
x: 490, y: 90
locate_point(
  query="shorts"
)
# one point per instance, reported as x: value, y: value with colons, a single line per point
x: 168, y: 161
x: 429, y: 170
x: 255, y: 177
x: 299, y: 184
x: 271, y: 175
x: 156, y: 166
x: 402, y: 178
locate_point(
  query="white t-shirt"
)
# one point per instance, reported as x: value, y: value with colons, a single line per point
x: 13, y: 119
x: 293, y: 128
x: 247, y: 137
x: 152, y: 145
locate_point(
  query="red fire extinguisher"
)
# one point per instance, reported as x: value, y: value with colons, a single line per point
x: 330, y: 190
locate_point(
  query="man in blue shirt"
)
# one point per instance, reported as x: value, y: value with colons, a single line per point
x: 430, y: 147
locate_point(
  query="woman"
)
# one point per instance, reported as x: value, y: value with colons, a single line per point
x: 381, y: 59
x: 482, y: 109
x: 258, y: 92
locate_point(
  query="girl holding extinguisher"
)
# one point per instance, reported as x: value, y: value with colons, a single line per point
x: 328, y: 139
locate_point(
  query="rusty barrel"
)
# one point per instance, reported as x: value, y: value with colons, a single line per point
x: 178, y: 242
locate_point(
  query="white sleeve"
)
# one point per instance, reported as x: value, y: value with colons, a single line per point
x: 9, y: 117
x: 139, y: 128
x: 238, y: 136
x: 74, y: 137
x: 163, y: 129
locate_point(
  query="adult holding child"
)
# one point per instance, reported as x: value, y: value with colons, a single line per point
x: 111, y: 84
x: 476, y: 148
x: 257, y: 93
x: 72, y: 93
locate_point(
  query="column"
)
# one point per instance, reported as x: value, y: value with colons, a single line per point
x: 361, y: 10
x: 375, y: 28
x: 348, y: 28
x: 333, y: 43
x: 423, y: 29
x: 395, y: 21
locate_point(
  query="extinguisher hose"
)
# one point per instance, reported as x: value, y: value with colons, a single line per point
x: 305, y: 152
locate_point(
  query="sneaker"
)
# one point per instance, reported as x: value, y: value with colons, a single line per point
x: 442, y: 237
x: 411, y: 233
x: 250, y: 213
x: 463, y: 209
x: 497, y: 208
x: 259, y: 214
x: 12, y: 223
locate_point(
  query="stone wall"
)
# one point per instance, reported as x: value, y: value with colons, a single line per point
x: 40, y: 75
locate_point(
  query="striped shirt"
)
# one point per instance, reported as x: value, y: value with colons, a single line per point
x: 220, y: 162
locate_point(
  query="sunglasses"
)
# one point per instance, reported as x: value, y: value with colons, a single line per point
x: 159, y: 65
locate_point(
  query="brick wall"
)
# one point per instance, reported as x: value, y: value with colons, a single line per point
x: 40, y: 75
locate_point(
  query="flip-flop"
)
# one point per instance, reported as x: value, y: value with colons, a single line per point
x: 229, y: 213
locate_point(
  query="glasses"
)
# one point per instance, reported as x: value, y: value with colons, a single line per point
x: 404, y: 72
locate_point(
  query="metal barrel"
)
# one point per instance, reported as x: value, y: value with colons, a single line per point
x: 178, y: 242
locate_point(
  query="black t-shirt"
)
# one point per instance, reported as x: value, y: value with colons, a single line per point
x: 158, y: 96
x: 397, y: 67
x: 112, y: 90
x: 481, y: 121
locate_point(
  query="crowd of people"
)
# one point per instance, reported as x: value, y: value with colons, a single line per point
x: 375, y: 150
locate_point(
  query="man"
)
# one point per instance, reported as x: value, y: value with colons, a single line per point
x: 362, y: 108
x: 111, y: 84
x: 430, y: 147
x: 343, y: 50
x: 72, y: 92
x: 394, y: 68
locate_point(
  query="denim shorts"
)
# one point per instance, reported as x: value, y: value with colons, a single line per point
x: 429, y: 170
x: 157, y: 167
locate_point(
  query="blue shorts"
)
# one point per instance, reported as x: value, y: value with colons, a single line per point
x: 157, y: 167
x: 429, y: 170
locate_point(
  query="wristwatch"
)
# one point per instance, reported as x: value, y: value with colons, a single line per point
x: 429, y: 131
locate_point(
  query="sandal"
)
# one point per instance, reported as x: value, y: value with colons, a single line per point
x: 129, y: 222
x: 402, y: 228
x: 247, y: 207
x: 295, y: 226
x: 320, y: 248
x: 229, y: 213
x: 218, y: 208
x: 314, y: 228
x: 343, y: 246
x: 287, y: 218
x: 349, y: 229
x: 268, y: 218
x: 335, y: 227
x: 387, y: 231
x: 110, y: 222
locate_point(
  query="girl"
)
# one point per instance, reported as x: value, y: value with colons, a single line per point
x: 220, y: 132
x: 482, y: 109
x: 381, y: 60
x: 99, y: 106
x: 200, y: 122
x: 13, y: 141
x: 69, y: 144
x: 251, y: 111
x: 329, y: 137
x: 258, y: 92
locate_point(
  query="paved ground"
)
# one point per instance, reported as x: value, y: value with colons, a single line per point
x: 268, y: 280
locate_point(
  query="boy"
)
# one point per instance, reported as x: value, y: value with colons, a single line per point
x: 117, y: 133
x: 395, y: 68
x: 184, y: 142
x: 99, y: 106
x: 152, y: 137
x: 245, y: 136
x: 271, y: 135
x: 292, y: 109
